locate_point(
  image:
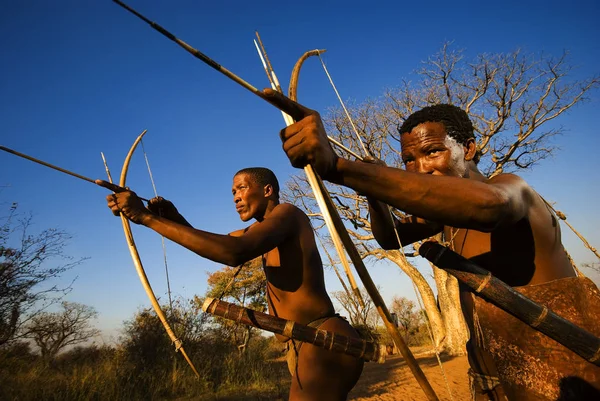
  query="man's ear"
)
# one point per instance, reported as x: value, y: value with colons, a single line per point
x: 268, y: 190
x: 470, y: 149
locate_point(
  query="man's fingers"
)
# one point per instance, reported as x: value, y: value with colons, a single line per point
x: 292, y: 140
x: 287, y: 105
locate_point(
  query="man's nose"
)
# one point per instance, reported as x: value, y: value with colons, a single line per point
x: 424, y: 166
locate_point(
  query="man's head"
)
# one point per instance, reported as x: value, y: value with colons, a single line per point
x: 439, y: 140
x: 253, y: 189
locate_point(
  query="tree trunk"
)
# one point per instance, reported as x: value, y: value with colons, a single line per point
x: 429, y: 301
x: 457, y: 332
x: 246, y: 339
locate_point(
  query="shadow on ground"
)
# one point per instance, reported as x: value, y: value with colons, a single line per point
x: 377, y: 378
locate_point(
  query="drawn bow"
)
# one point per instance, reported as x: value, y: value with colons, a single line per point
x: 325, y: 203
x: 140, y: 268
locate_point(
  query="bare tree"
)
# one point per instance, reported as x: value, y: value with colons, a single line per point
x: 408, y: 319
x: 511, y: 98
x: 27, y: 268
x: 247, y: 287
x: 53, y: 331
x: 359, y: 316
x: 592, y: 266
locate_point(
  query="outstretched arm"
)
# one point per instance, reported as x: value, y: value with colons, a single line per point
x: 450, y: 201
x: 227, y: 249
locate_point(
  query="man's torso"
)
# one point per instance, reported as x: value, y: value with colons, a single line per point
x: 295, y: 281
x: 524, y: 253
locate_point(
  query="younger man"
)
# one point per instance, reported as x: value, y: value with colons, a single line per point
x: 282, y: 236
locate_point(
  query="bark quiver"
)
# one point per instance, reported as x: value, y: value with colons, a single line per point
x: 495, y: 291
x: 367, y: 350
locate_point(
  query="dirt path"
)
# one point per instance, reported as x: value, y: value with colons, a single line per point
x: 393, y: 380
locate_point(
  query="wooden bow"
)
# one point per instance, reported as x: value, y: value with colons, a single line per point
x: 135, y: 256
x: 340, y: 234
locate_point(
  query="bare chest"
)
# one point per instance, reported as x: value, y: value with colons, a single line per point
x: 466, y: 242
x: 509, y: 256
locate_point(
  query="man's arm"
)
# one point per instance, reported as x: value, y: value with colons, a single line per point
x: 450, y: 201
x: 165, y: 208
x: 410, y: 229
x: 229, y: 249
x: 226, y: 249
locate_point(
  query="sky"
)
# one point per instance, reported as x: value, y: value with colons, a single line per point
x: 83, y: 77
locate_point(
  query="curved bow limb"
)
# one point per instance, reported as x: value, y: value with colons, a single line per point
x: 293, y: 88
x: 337, y: 242
x: 140, y: 268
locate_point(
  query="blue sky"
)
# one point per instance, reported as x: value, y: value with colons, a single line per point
x: 81, y: 77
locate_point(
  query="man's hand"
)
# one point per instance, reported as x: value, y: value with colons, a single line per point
x: 128, y: 204
x: 304, y: 142
x: 163, y: 208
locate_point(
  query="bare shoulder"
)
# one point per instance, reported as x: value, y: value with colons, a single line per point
x: 516, y: 189
x: 289, y: 211
x: 513, y: 184
x: 288, y: 208
x: 507, y: 179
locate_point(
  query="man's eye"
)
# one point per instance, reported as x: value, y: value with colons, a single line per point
x: 433, y: 152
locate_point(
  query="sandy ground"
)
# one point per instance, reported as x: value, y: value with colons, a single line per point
x: 393, y: 380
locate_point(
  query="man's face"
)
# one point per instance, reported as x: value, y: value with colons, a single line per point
x: 248, y: 197
x: 428, y: 149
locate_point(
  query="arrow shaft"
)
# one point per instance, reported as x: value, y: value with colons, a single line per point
x: 43, y: 163
x: 102, y: 183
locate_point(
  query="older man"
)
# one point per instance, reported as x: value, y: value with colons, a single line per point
x: 501, y: 223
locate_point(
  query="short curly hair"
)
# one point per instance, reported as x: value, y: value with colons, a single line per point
x: 456, y: 121
x: 262, y: 176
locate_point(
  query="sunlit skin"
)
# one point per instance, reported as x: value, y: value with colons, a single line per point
x: 283, y: 237
x: 503, y: 224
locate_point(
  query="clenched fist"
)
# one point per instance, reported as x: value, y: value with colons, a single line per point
x: 129, y: 205
x: 304, y: 142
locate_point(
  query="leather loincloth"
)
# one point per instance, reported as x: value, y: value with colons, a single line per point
x: 532, y: 366
x: 293, y: 346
